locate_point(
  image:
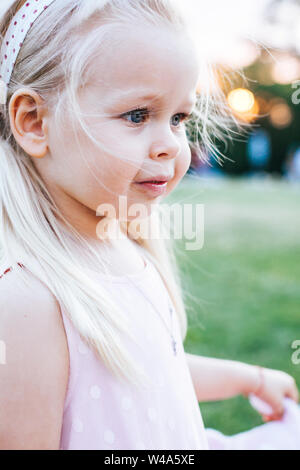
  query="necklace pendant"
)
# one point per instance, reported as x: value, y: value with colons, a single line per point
x: 174, y: 345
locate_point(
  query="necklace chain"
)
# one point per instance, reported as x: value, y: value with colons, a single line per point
x: 173, y: 342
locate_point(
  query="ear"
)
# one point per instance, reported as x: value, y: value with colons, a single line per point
x: 28, y: 121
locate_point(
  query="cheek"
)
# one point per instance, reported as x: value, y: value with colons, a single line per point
x: 121, y: 173
x: 182, y: 165
x: 123, y: 151
x: 117, y: 166
x: 183, y: 162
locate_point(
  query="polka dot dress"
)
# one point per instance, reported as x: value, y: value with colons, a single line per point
x: 100, y: 412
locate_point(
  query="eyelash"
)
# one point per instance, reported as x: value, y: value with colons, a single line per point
x: 184, y: 117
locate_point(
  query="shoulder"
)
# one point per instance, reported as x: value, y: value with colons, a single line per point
x: 28, y: 307
x: 34, y: 363
x: 16, y: 294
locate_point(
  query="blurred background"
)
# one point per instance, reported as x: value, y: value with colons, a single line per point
x: 243, y: 289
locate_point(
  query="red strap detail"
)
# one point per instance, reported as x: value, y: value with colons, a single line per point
x: 10, y: 269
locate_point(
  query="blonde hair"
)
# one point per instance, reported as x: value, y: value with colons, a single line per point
x: 54, y: 61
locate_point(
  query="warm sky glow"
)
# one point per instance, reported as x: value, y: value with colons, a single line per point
x: 219, y: 25
x: 222, y: 28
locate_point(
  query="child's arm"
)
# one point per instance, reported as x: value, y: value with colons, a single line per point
x: 33, y: 366
x: 218, y: 379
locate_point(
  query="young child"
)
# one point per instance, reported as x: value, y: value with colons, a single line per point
x: 95, y: 98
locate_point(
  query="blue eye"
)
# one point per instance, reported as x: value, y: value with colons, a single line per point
x: 140, y: 115
x: 182, y: 117
x: 137, y: 115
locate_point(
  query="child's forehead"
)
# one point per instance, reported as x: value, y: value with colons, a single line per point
x: 147, y: 80
x: 144, y: 56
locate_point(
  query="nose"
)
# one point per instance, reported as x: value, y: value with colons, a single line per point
x: 167, y: 147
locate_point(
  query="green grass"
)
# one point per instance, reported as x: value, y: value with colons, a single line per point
x: 243, y: 286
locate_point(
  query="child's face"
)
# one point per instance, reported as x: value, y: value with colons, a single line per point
x: 150, y: 143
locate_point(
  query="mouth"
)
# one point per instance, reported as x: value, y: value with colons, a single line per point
x: 153, y: 182
x: 156, y: 186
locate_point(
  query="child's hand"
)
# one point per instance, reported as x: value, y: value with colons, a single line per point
x: 275, y: 387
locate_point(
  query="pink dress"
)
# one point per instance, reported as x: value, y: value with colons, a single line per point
x: 100, y: 412
x: 283, y: 434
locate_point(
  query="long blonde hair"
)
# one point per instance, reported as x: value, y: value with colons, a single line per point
x: 53, y: 61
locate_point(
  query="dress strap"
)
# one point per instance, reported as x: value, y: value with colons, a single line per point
x: 11, y: 269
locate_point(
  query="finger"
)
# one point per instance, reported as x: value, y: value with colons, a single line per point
x: 278, y: 411
x: 293, y: 393
x: 265, y: 418
x: 278, y: 407
x: 274, y: 417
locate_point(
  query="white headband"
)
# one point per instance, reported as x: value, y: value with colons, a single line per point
x: 14, y: 38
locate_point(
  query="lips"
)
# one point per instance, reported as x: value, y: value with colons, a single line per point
x: 153, y: 182
x: 153, y: 188
x: 159, y: 179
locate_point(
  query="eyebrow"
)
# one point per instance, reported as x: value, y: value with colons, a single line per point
x: 154, y: 98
